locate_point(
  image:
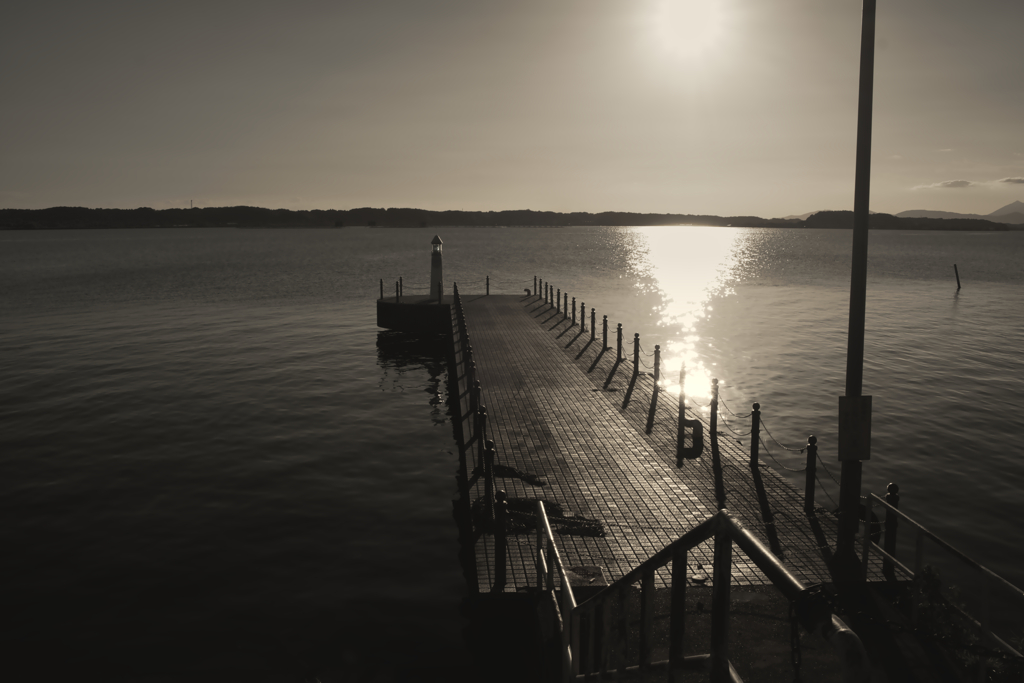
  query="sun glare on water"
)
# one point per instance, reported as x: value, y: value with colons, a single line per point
x: 691, y: 266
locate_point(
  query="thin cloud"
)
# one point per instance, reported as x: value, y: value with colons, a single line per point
x: 948, y: 184
x: 945, y: 150
x: 1014, y: 181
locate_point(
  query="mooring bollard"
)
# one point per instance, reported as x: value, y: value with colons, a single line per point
x: 812, y: 464
x: 892, y: 497
x: 593, y: 320
x: 500, y: 547
x: 574, y: 310
x: 655, y: 391
x: 382, y: 288
x: 755, y: 433
x: 488, y: 285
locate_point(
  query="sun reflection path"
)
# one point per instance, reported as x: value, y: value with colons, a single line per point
x: 691, y: 266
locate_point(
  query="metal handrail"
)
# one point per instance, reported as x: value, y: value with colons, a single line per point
x: 989, y: 577
x: 549, y: 563
x: 812, y: 608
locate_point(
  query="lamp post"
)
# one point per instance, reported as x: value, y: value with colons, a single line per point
x: 854, y: 407
x: 436, y: 268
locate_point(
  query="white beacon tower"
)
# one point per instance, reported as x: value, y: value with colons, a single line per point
x: 436, y: 269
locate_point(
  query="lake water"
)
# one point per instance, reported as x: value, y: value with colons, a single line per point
x: 214, y: 462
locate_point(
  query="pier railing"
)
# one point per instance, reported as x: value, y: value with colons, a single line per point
x: 593, y: 634
x: 987, y: 581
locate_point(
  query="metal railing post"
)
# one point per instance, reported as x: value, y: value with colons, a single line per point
x: 565, y: 307
x: 867, y: 537
x: 720, y: 606
x: 535, y: 285
x: 500, y: 548
x: 655, y: 391
x: 636, y: 369
x: 604, y: 333
x: 488, y: 474
x: 812, y: 464
x: 593, y: 324
x: 618, y: 342
x: 481, y: 436
x: 755, y: 433
x: 680, y: 434
x: 573, y: 310
x: 558, y: 301
x: 892, y: 497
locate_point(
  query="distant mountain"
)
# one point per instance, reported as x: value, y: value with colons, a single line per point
x: 1012, y: 213
x: 1015, y: 207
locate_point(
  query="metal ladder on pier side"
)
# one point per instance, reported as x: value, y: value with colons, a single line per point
x: 592, y: 642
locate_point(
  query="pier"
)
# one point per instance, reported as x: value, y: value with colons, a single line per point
x: 552, y: 412
x: 608, y: 527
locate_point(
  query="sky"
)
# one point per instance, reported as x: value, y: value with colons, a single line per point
x: 724, y: 107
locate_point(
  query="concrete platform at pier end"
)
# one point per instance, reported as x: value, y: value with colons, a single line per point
x: 550, y: 413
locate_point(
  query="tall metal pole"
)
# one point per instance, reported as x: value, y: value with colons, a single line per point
x: 849, y: 489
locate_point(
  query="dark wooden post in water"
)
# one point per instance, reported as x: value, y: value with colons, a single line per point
x: 382, y: 288
x: 593, y: 324
x: 573, y: 310
x: 654, y: 393
x: 892, y: 497
x: 500, y: 546
x: 812, y: 464
x: 401, y: 286
x: 755, y: 433
x: 488, y: 285
x: 957, y: 273
x: 636, y: 367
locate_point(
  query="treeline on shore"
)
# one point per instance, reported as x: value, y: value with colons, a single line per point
x: 255, y: 217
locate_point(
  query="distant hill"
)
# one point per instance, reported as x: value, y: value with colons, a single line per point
x: 255, y: 217
x: 1012, y: 213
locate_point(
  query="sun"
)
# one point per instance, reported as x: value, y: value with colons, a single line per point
x: 690, y: 30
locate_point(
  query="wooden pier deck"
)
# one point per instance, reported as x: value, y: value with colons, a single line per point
x: 550, y: 414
